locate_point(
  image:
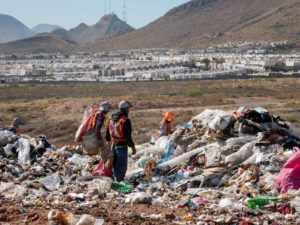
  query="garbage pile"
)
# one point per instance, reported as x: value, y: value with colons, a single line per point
x: 223, y: 167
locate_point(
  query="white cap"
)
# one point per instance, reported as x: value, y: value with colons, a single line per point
x: 125, y: 104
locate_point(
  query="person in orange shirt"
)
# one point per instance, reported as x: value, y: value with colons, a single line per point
x: 119, y: 132
x: 164, y: 128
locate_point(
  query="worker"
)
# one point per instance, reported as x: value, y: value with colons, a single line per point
x: 164, y: 128
x: 99, y: 119
x: 119, y: 131
x: 14, y: 126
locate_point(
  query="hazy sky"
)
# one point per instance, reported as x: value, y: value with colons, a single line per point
x: 69, y: 13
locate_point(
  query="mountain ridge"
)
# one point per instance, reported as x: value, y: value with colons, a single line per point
x: 12, y: 29
x: 107, y: 27
x: 36, y: 44
x: 203, y: 23
x: 45, y: 28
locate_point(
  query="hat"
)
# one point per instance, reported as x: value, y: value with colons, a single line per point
x: 169, y: 116
x: 105, y: 107
x: 16, y: 122
x: 125, y: 104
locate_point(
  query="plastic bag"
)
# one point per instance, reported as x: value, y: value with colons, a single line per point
x: 23, y: 152
x: 215, y: 119
x: 101, y: 170
x: 175, y: 161
x: 239, y: 157
x: 51, y: 182
x: 91, y: 142
x: 289, y: 176
x: 257, y: 157
x: 77, y: 159
x: 106, y: 153
x: 233, y: 204
x: 140, y: 198
x: 85, y: 124
x: 89, y: 220
x: 7, y: 137
x: 143, y: 160
x: 11, y: 190
x: 213, y: 156
x: 8, y: 150
x: 155, y: 150
x: 162, y: 142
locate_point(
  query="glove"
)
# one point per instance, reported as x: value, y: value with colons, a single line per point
x: 133, y: 150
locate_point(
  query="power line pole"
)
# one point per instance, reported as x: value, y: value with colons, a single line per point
x: 124, y: 12
x: 105, y: 8
x: 110, y: 12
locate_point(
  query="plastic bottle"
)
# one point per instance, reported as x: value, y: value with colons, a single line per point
x: 122, y: 187
x: 257, y: 203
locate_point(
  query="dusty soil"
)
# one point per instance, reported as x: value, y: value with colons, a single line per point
x: 14, y: 213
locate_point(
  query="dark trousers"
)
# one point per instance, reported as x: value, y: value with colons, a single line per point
x: 120, y: 162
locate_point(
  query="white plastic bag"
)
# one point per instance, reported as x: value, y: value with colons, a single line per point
x: 215, y: 119
x: 51, y: 182
x: 23, y: 152
x: 7, y: 137
x: 162, y: 142
x: 240, y: 156
x: 8, y: 149
x: 141, y: 198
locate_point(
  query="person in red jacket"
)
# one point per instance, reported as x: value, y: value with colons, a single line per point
x: 164, y: 128
x: 119, y: 131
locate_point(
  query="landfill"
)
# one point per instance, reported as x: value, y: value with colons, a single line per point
x: 223, y: 167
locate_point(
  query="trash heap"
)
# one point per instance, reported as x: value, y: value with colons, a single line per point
x: 223, y: 167
x: 238, y: 166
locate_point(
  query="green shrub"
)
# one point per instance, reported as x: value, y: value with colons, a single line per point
x: 193, y: 93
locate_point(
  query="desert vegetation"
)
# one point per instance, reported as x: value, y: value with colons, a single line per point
x: 56, y: 109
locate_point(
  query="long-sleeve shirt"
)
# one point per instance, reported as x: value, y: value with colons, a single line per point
x: 99, y: 124
x: 127, y: 129
x: 163, y: 130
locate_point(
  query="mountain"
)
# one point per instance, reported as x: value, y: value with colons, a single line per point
x: 63, y: 33
x: 40, y: 43
x: 11, y: 29
x: 202, y: 23
x: 45, y: 28
x: 109, y: 26
x: 75, y: 32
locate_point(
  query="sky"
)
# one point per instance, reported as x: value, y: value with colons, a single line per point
x: 70, y: 13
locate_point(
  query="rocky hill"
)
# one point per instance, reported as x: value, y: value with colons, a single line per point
x: 41, y: 43
x: 63, y: 33
x: 109, y: 26
x: 202, y: 23
x: 76, y: 31
x: 11, y: 29
x: 42, y: 28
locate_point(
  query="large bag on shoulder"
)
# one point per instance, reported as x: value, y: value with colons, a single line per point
x: 85, y: 125
x: 91, y: 142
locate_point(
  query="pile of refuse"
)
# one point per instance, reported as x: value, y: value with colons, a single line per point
x: 223, y: 167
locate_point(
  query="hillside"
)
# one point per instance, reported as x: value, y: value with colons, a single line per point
x: 44, y: 43
x: 76, y: 31
x: 11, y: 29
x: 63, y: 33
x: 109, y: 26
x: 43, y: 28
x: 202, y: 23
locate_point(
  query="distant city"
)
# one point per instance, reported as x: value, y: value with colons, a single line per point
x: 238, y: 59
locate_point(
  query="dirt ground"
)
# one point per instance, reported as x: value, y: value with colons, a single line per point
x: 14, y: 213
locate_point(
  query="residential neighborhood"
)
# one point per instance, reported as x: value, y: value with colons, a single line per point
x: 234, y: 59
